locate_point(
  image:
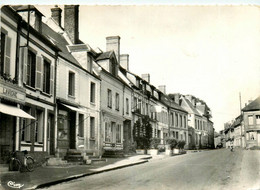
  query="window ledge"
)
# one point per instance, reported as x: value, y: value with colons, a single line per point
x: 70, y: 96
x: 93, y: 103
x: 30, y: 87
x: 92, y: 139
x: 46, y: 94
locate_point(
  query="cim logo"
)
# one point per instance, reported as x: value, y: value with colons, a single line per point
x: 12, y: 184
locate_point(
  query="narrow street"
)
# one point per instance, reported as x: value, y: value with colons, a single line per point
x: 216, y: 169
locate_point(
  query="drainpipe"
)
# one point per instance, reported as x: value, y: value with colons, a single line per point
x: 55, y: 104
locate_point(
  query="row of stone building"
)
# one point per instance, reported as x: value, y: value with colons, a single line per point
x: 58, y: 94
x: 244, y: 130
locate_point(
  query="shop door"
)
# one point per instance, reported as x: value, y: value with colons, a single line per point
x: 127, y: 135
x: 51, y: 134
x: 7, y: 137
x: 72, y: 126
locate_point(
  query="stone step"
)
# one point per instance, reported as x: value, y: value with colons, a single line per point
x: 56, y: 162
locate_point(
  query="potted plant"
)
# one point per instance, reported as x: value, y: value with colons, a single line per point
x: 172, y: 142
x: 154, y: 145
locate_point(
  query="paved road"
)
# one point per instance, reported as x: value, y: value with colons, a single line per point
x: 216, y: 169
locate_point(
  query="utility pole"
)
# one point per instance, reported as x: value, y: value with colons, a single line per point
x: 240, y: 103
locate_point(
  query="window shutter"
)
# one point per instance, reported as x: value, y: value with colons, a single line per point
x: 7, y: 55
x: 39, y: 72
x: 52, y: 80
x: 23, y: 61
x: 27, y: 130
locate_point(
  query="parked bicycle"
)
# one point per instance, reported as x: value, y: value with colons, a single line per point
x: 17, y: 165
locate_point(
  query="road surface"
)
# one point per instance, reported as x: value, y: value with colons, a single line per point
x: 215, y: 169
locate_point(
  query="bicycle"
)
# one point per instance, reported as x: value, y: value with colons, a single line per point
x: 16, y: 165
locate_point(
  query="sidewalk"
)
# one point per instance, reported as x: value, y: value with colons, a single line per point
x: 50, y: 175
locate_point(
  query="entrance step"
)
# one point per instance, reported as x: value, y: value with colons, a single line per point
x: 113, y: 154
x: 74, y: 156
x: 56, y: 162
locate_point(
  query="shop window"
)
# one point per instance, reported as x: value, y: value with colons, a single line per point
x: 257, y: 119
x: 71, y: 84
x: 118, y: 133
x: 81, y: 125
x: 109, y: 98
x: 92, y: 92
x: 117, y: 101
x: 250, y: 120
x: 5, y: 55
x: 107, y: 132
x: 26, y: 127
x: 92, y: 127
x: 46, y: 76
x: 39, y: 126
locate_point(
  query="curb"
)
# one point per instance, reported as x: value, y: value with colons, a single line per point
x: 83, y: 175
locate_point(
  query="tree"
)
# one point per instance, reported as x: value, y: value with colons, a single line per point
x: 142, y: 133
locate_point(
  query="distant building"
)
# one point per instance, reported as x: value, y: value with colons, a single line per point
x: 251, y: 117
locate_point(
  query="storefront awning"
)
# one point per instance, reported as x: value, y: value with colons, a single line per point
x: 14, y: 111
x: 75, y: 108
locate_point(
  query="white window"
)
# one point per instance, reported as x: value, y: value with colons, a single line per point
x: 109, y: 98
x: 5, y: 54
x: 118, y: 133
x: 250, y: 120
x: 71, y: 84
x: 257, y: 119
x: 92, y: 92
x: 117, y: 101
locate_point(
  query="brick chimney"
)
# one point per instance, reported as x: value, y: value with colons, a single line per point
x: 146, y: 77
x: 56, y: 14
x: 113, y: 43
x: 124, y: 61
x: 177, y: 98
x: 71, y: 22
x: 162, y: 88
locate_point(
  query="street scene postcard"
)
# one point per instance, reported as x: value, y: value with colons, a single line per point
x: 117, y: 95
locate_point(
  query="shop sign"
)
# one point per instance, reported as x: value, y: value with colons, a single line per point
x: 11, y: 93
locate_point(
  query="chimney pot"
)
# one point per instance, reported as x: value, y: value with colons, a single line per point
x: 146, y: 77
x: 113, y: 44
x: 124, y: 61
x: 71, y: 22
x: 56, y: 14
x: 162, y: 88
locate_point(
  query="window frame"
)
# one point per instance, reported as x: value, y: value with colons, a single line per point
x: 93, y: 92
x: 71, y: 83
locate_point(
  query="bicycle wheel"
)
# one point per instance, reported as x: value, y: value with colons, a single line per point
x: 29, y: 163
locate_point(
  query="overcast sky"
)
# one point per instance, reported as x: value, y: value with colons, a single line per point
x: 211, y: 52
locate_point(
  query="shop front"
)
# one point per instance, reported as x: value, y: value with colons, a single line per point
x: 11, y: 100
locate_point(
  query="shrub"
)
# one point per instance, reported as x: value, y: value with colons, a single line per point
x: 155, y: 142
x: 172, y: 142
x: 181, y: 144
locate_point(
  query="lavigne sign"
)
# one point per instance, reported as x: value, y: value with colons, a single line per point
x: 15, y: 94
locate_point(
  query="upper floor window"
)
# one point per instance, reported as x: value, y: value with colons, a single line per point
x: 117, y: 101
x: 257, y: 119
x: 5, y: 55
x: 181, y: 121
x: 176, y: 119
x: 71, y: 84
x: 127, y: 106
x: 46, y: 76
x: 109, y: 98
x: 250, y: 120
x: 92, y: 92
x: 31, y: 69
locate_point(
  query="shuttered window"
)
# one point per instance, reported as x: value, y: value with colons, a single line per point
x: 5, y: 55
x: 39, y: 68
x: 46, y: 76
x: 30, y: 70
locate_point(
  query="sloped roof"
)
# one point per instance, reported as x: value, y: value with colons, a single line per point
x: 193, y: 109
x: 255, y: 105
x: 25, y: 8
x: 104, y: 55
x: 60, y: 42
x: 237, y: 121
